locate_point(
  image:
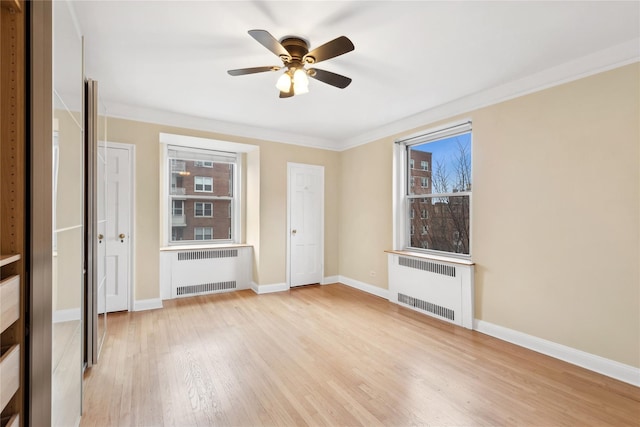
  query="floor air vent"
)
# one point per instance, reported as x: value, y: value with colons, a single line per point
x: 445, y: 270
x: 205, y: 287
x: 209, y: 254
x: 438, y: 310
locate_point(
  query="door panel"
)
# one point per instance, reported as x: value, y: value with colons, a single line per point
x: 117, y: 235
x: 306, y: 194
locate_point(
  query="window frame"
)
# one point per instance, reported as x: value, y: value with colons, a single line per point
x: 195, y: 209
x: 190, y: 153
x: 204, y: 190
x: 195, y: 234
x: 203, y: 164
x: 402, y: 185
x: 173, y: 207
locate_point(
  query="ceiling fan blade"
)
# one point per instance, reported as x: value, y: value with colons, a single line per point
x: 267, y: 40
x: 330, y: 78
x: 335, y: 47
x: 243, y: 71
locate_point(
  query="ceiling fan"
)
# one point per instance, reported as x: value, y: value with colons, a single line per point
x: 294, y: 54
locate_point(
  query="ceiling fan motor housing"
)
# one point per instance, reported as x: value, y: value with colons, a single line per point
x: 297, y: 48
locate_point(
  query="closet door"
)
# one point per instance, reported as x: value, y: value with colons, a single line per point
x: 68, y: 300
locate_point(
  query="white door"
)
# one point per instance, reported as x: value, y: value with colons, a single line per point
x: 101, y: 277
x: 306, y: 224
x: 118, y: 227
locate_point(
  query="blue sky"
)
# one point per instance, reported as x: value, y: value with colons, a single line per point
x: 445, y: 151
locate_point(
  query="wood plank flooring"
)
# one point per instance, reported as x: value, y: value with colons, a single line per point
x: 331, y: 355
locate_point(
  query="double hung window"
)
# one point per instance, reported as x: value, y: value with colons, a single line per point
x: 202, y: 192
x: 443, y: 197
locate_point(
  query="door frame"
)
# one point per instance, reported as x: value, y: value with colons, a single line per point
x: 290, y: 166
x: 131, y: 243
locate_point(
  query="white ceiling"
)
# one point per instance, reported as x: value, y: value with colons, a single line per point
x: 414, y: 61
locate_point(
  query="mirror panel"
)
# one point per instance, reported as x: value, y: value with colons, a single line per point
x: 68, y: 220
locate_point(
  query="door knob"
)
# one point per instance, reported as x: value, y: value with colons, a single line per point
x: 294, y: 231
x: 100, y: 237
x: 121, y: 236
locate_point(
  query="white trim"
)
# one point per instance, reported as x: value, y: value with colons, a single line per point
x: 319, y: 168
x: 592, y: 362
x: 328, y: 280
x: 147, y: 304
x: 365, y: 287
x: 267, y: 289
x: 205, y: 143
x: 607, y: 59
x: 167, y: 139
x: 68, y: 315
x: 167, y: 118
x: 604, y: 60
x: 132, y: 216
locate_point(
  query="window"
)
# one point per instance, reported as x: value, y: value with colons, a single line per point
x: 203, y: 209
x: 443, y: 197
x: 202, y: 164
x: 203, y: 233
x: 201, y: 202
x: 203, y: 184
x: 178, y: 207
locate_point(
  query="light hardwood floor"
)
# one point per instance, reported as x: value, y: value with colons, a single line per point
x: 331, y: 355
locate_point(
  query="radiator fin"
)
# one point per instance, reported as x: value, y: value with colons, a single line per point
x: 438, y: 310
x: 433, y: 267
x: 207, y: 254
x: 205, y: 287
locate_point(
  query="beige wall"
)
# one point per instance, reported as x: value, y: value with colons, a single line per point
x: 365, y: 212
x: 556, y: 229
x: 266, y: 205
x: 555, y: 215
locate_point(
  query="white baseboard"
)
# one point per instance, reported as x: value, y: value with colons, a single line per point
x: 601, y: 365
x: 68, y: 315
x: 330, y: 279
x: 147, y: 304
x: 267, y: 289
x: 374, y: 290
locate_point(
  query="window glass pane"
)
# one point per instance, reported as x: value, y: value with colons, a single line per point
x: 200, y: 214
x: 445, y: 166
x: 201, y: 195
x: 444, y: 225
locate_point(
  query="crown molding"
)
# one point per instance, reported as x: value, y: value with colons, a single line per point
x: 168, y: 118
x: 598, y: 62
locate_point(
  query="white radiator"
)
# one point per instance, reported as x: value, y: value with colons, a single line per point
x: 188, y: 272
x: 437, y: 288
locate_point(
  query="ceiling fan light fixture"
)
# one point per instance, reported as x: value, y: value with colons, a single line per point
x: 295, y: 55
x: 300, y: 82
x: 284, y: 83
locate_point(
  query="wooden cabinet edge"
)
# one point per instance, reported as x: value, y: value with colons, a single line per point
x: 9, y: 373
x: 6, y: 259
x: 9, y: 301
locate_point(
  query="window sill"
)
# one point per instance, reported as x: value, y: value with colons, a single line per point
x: 452, y: 260
x: 210, y: 246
